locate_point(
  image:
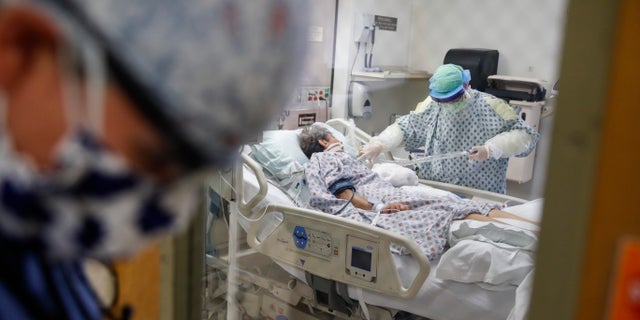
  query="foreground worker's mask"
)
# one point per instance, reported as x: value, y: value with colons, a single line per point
x: 91, y: 203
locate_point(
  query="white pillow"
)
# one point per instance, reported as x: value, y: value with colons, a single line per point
x: 397, y: 175
x: 285, y: 142
x: 278, y: 152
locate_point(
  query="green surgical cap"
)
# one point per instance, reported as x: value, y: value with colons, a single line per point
x: 447, y: 82
x: 447, y: 78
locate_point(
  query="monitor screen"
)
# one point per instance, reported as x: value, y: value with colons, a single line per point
x: 360, y: 259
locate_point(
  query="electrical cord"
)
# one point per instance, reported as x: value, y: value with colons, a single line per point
x: 355, y: 58
x: 353, y: 193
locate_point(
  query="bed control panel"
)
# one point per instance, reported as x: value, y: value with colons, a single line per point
x: 313, y: 241
x: 362, y: 258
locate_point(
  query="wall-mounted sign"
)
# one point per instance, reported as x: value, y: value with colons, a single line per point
x: 386, y: 23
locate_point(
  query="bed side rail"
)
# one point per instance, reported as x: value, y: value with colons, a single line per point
x: 228, y: 184
x: 338, y: 249
x: 475, y: 194
x: 245, y: 206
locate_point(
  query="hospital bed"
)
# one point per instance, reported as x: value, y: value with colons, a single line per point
x: 282, y: 261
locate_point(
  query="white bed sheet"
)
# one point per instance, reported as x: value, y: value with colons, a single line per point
x: 438, y: 299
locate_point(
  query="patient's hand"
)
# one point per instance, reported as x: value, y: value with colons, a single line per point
x: 394, y: 207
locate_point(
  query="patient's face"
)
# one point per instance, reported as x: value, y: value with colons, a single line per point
x: 331, y: 139
x: 331, y: 143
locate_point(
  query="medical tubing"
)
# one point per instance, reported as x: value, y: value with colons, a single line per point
x: 352, y: 139
x: 431, y: 158
x: 377, y: 208
x: 353, y: 64
x: 509, y: 144
x: 353, y: 193
x: 333, y: 146
x: 365, y: 56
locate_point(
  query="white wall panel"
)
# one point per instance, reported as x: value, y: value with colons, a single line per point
x: 527, y: 33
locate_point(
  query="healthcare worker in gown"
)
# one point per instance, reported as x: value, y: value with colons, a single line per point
x: 458, y: 118
x: 110, y: 113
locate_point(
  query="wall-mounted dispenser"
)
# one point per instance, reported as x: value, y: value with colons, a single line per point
x: 359, y: 100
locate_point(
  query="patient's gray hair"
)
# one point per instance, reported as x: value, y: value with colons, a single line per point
x: 309, y: 139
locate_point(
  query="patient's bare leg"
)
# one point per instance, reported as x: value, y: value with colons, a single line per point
x: 491, y: 218
x: 503, y: 214
x: 479, y: 217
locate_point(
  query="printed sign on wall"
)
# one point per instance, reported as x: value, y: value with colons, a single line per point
x: 386, y: 23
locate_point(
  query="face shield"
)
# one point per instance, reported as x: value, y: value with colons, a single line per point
x: 208, y: 74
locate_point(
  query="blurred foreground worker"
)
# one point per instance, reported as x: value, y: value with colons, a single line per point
x: 109, y: 113
x: 457, y: 118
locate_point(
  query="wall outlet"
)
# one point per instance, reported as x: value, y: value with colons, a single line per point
x: 312, y: 96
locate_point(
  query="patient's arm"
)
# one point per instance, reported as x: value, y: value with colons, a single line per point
x: 362, y: 203
x: 357, y: 201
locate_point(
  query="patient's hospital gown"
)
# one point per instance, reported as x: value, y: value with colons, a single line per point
x: 427, y: 221
x: 441, y: 129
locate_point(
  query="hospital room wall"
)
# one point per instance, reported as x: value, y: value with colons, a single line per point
x: 527, y: 33
x: 316, y: 72
x: 319, y: 56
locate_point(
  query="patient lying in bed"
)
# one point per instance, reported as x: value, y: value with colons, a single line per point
x: 343, y: 186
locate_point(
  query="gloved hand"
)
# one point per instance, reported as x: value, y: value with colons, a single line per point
x: 479, y: 153
x: 371, y: 150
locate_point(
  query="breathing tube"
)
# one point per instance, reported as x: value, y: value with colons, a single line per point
x: 340, y: 186
x: 336, y: 146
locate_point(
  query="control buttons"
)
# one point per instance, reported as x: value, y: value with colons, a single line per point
x: 300, y: 237
x: 314, y: 241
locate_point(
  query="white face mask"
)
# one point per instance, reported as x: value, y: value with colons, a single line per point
x: 457, y: 105
x: 92, y: 203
